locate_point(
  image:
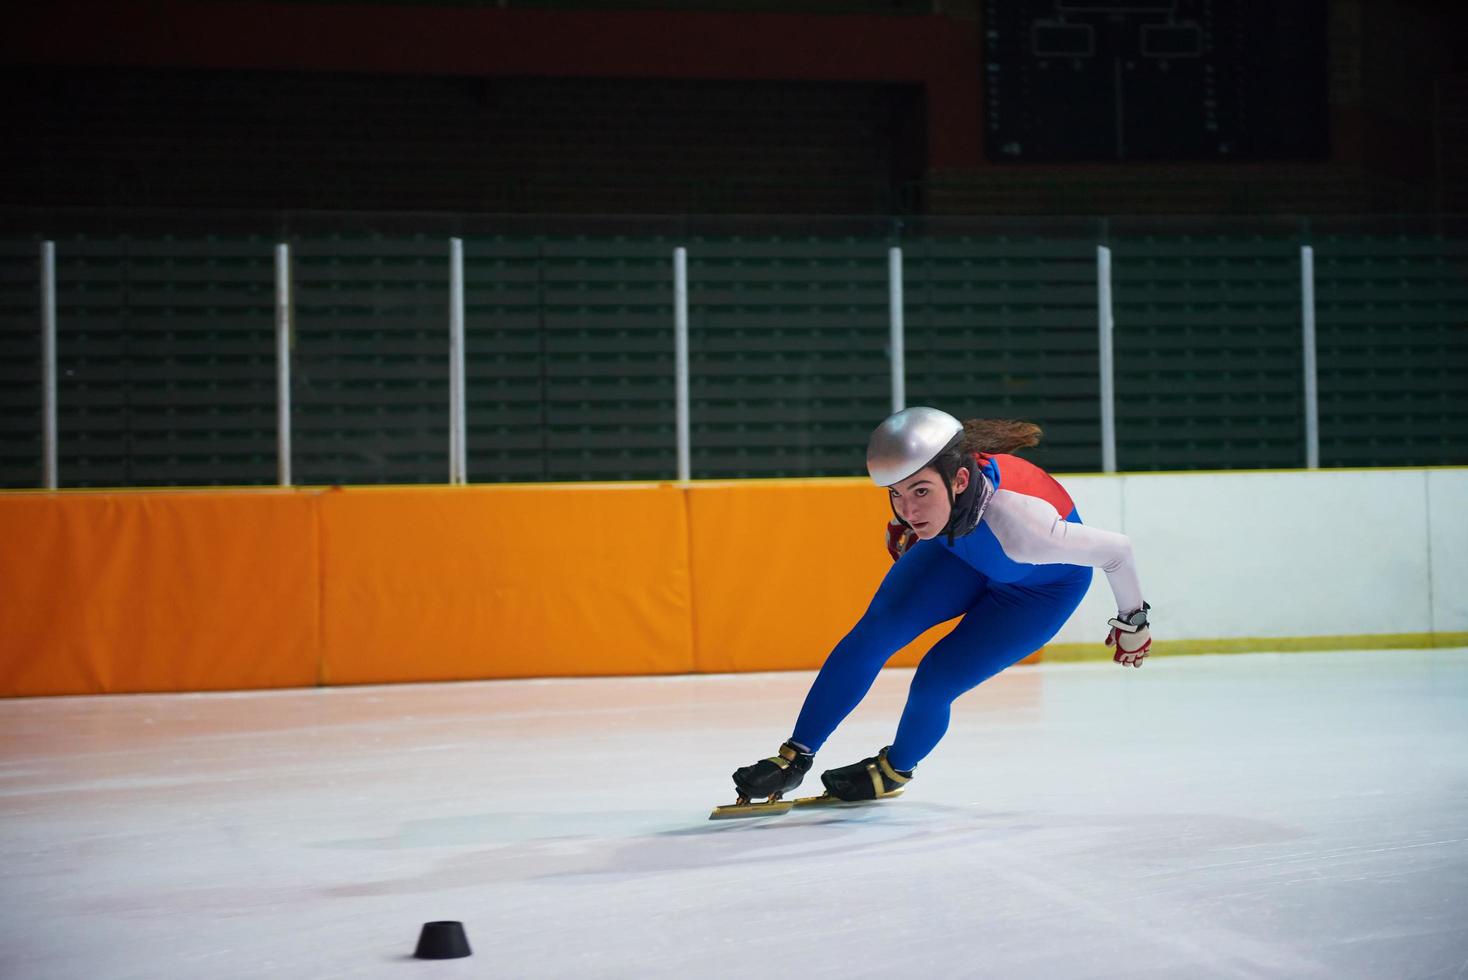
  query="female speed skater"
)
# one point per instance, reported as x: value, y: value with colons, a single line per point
x: 978, y: 533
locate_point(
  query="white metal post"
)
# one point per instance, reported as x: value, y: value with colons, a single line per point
x: 48, y: 363
x: 898, y: 339
x: 458, y: 428
x: 283, y: 362
x: 1106, y: 325
x: 680, y: 360
x: 1312, y: 392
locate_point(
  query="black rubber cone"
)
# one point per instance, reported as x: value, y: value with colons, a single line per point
x: 442, y: 941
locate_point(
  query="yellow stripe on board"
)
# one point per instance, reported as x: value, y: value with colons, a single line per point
x: 1064, y: 652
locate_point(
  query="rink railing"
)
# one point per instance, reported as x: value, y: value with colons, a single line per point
x: 457, y: 461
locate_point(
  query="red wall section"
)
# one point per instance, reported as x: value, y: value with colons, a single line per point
x: 940, y: 52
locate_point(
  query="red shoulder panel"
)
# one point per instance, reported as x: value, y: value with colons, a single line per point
x: 1022, y: 476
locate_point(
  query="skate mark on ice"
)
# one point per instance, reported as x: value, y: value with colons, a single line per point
x: 909, y: 828
x: 569, y: 857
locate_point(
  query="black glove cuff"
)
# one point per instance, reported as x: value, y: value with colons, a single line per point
x: 1131, y: 622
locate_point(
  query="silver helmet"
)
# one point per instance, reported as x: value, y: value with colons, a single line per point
x: 907, y: 441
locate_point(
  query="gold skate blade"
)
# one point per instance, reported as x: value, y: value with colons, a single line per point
x: 826, y: 799
x: 735, y: 811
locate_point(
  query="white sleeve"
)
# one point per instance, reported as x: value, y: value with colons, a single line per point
x: 1030, y: 531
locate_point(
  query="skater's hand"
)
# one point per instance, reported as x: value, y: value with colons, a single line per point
x: 900, y: 537
x: 1131, y: 648
x: 1131, y: 637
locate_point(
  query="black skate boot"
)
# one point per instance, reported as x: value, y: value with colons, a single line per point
x: 869, y: 779
x: 775, y: 776
x: 767, y: 779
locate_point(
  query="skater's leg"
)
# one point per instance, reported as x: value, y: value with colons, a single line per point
x: 927, y: 586
x: 1004, y: 627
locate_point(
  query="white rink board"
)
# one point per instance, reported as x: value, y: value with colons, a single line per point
x: 1253, y: 815
x: 1285, y: 554
x: 1099, y: 499
x: 1447, y: 494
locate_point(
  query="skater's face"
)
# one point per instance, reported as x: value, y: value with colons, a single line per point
x: 921, y: 501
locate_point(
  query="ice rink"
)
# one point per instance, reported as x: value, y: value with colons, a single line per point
x: 1293, y: 815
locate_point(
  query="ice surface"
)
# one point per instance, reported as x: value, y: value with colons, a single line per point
x: 1298, y: 815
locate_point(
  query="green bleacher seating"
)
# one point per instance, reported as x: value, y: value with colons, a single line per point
x: 167, y: 350
x: 20, y: 364
x: 1003, y: 325
x: 1208, y: 351
x: 165, y: 363
x: 1392, y: 319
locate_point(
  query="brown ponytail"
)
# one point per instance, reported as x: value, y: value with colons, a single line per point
x: 999, y: 435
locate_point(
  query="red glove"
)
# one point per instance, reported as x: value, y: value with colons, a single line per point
x: 900, y: 537
x: 1131, y: 637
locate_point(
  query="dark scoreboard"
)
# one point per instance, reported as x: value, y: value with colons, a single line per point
x: 1092, y: 80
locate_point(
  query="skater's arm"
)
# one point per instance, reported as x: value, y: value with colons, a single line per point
x: 1029, y: 530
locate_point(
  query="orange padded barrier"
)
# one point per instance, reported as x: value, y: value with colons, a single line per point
x: 210, y: 590
x: 504, y: 581
x: 783, y: 568
x: 105, y: 593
